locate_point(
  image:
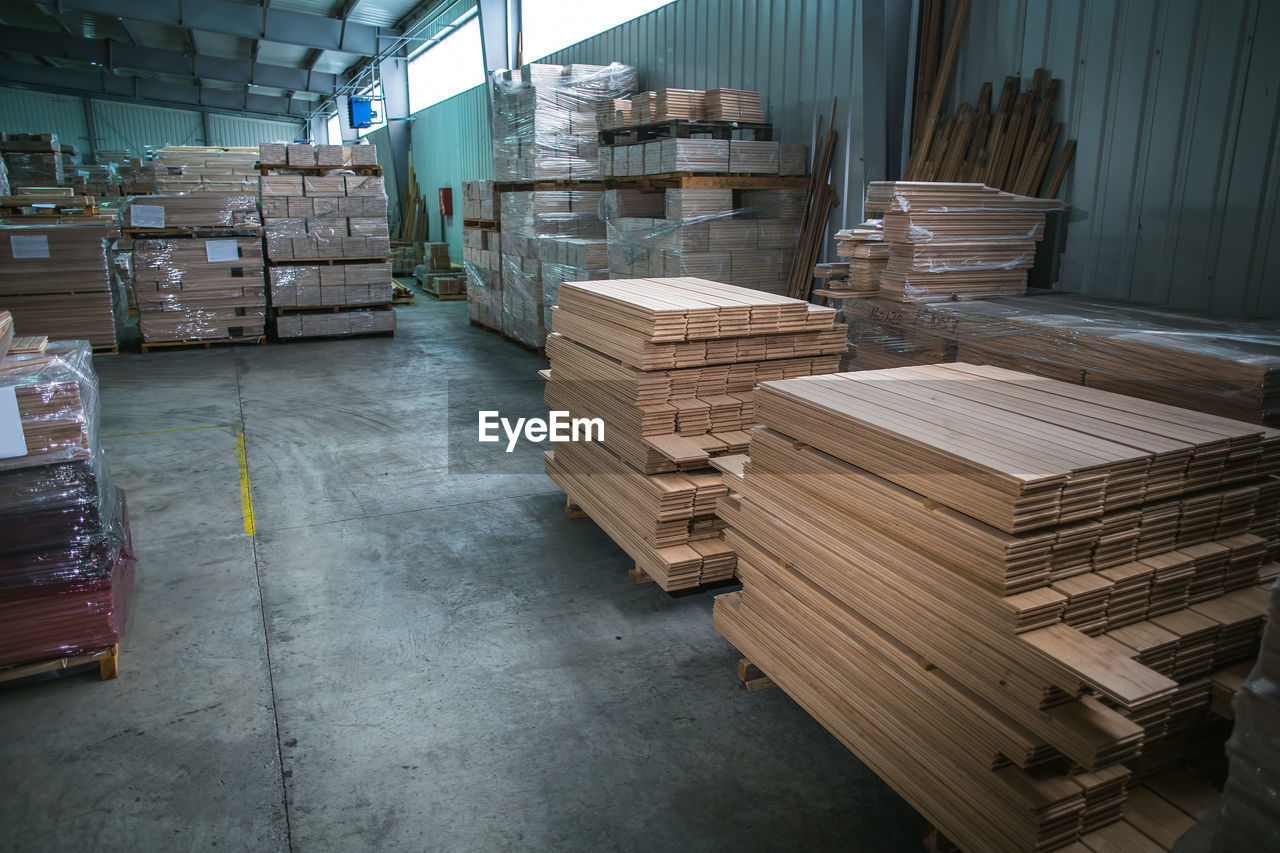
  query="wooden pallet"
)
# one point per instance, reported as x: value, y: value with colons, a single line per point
x: 281, y: 310
x: 251, y: 339
x: 752, y: 678
x: 132, y: 233
x: 320, y: 262
x: 430, y: 288
x: 270, y: 168
x: 387, y: 333
x: 694, y: 181
x: 547, y: 185
x: 403, y: 295
x: 481, y: 224
x: 106, y: 350
x: 681, y: 128
x: 106, y: 659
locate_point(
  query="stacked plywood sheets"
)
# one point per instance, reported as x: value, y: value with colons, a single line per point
x: 55, y: 280
x: 195, y: 212
x: 956, y: 241
x: 1067, y: 634
x: 191, y: 289
x: 647, y: 481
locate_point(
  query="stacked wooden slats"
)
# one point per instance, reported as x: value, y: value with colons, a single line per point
x: 956, y: 241
x: 1030, y: 590
x: 734, y: 105
x: 6, y: 333
x: 613, y: 357
x: 867, y: 254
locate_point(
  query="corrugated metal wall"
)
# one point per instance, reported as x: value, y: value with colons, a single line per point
x: 1176, y: 176
x: 133, y: 126
x: 235, y: 131
x: 24, y: 111
x: 381, y: 139
x: 798, y: 54
x: 451, y: 144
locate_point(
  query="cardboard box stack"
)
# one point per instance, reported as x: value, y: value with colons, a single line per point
x: 32, y: 159
x: 66, y: 557
x: 479, y: 201
x: 701, y: 157
x: 544, y: 119
x: 221, y: 171
x: 482, y: 262
x: 332, y: 213
x: 528, y: 218
x: 669, y: 366
x: 56, y: 280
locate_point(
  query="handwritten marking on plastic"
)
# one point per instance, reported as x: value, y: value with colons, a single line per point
x: 12, y: 441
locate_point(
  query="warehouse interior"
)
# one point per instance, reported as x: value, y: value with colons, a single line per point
x: 936, y: 499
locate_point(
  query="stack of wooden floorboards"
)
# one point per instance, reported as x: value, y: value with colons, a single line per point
x: 956, y: 241
x: 669, y: 366
x: 867, y: 253
x: 1007, y: 595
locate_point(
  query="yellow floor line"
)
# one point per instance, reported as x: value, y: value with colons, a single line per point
x: 246, y: 491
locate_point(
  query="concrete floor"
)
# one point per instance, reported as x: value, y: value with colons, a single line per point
x: 408, y: 654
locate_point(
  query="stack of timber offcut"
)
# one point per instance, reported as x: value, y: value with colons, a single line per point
x: 669, y: 366
x: 956, y: 241
x: 1008, y: 595
x: 734, y: 105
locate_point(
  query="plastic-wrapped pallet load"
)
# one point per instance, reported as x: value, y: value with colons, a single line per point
x: 221, y: 171
x: 741, y: 237
x: 330, y: 211
x: 528, y: 218
x: 482, y: 261
x: 199, y: 289
x: 56, y: 280
x: 545, y: 124
x: 1229, y: 368
x: 66, y: 559
x: 32, y: 160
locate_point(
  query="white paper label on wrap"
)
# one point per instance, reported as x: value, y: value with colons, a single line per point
x: 29, y: 245
x: 220, y: 251
x: 84, y: 173
x: 12, y: 441
x: 146, y: 216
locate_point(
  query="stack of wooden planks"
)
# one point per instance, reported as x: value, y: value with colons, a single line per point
x: 734, y: 105
x: 669, y: 366
x: 55, y: 279
x: 1225, y: 367
x: 956, y: 241
x: 867, y: 253
x: 191, y: 289
x: 1032, y: 587
x: 6, y: 333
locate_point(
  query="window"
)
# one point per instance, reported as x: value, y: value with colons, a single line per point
x: 335, y: 129
x: 449, y: 67
x: 379, y: 107
x: 550, y: 25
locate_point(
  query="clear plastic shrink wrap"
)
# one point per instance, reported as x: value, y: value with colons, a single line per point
x: 66, y: 559
x: 545, y: 123
x: 199, y: 289
x: 1225, y: 367
x: 741, y: 237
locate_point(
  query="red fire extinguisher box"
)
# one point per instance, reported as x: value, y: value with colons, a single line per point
x: 446, y: 201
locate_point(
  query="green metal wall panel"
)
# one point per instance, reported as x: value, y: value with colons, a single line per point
x: 24, y: 111
x: 451, y: 144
